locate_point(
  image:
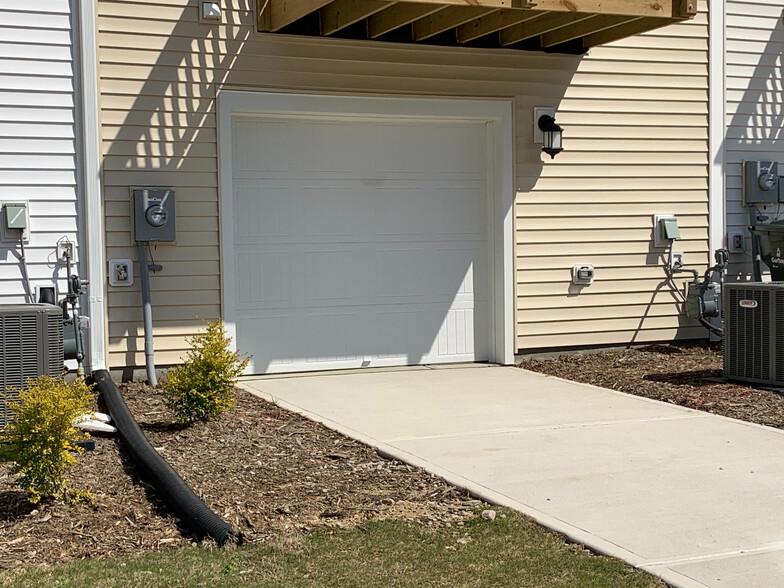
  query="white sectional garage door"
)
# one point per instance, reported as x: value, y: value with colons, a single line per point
x: 359, y: 242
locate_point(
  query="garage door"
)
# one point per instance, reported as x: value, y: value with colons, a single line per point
x: 359, y: 242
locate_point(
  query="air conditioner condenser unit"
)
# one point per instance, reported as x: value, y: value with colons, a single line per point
x: 754, y: 332
x: 31, y: 345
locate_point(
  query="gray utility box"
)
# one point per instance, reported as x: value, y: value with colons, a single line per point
x: 31, y: 345
x: 153, y: 218
x: 760, y: 182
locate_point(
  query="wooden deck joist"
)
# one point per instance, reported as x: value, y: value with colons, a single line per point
x: 552, y: 25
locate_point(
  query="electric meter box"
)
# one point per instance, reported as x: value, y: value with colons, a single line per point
x: 154, y: 218
x: 760, y: 182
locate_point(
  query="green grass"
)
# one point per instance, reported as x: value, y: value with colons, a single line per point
x: 510, y: 551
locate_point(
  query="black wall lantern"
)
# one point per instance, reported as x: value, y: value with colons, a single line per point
x: 552, y: 135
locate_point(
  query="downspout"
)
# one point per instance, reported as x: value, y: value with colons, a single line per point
x: 92, y: 228
x: 717, y: 226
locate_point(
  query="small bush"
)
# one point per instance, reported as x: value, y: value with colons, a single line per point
x: 41, y: 438
x: 203, y: 387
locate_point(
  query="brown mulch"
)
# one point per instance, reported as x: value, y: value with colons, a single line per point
x: 687, y: 375
x: 261, y: 468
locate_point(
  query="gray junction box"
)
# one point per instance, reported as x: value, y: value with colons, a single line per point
x: 154, y: 218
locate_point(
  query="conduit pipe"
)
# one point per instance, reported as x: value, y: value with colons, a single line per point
x: 167, y: 482
x: 149, y: 347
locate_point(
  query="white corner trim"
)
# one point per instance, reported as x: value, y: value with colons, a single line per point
x: 496, y: 114
x: 716, y: 127
x: 92, y: 226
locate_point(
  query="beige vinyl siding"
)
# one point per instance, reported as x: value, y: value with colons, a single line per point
x: 636, y: 137
x: 636, y: 143
x: 754, y: 95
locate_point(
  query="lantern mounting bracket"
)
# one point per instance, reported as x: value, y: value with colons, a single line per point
x: 552, y: 135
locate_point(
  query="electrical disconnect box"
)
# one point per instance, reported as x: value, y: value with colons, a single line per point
x: 665, y: 230
x: 760, y: 182
x: 16, y: 215
x: 154, y: 218
x: 14, y: 220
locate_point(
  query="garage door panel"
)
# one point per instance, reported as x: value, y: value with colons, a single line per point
x: 263, y: 278
x: 269, y: 340
x: 365, y: 249
x: 331, y: 211
x: 330, y: 275
x: 262, y: 211
x: 449, y: 149
x: 261, y: 146
x: 333, y: 147
x: 457, y: 337
x: 353, y: 336
x: 418, y: 212
x: 461, y: 272
x: 331, y: 337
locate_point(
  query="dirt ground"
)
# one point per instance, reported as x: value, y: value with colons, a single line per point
x: 688, y: 375
x: 261, y: 468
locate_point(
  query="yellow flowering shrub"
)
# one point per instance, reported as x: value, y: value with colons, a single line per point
x: 41, y: 439
x: 203, y: 387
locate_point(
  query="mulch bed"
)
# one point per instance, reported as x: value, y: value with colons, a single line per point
x: 269, y: 471
x: 263, y: 469
x: 687, y: 375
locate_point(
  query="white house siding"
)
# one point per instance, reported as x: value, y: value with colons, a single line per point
x: 38, y: 137
x: 636, y: 137
x: 754, y: 97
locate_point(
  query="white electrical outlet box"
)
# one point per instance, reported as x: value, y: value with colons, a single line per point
x: 582, y: 274
x: 736, y: 242
x: 120, y: 272
x: 676, y: 260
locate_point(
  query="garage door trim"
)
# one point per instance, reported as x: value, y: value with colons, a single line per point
x: 497, y: 115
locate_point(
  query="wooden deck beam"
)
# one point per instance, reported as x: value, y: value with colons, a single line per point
x: 492, y: 23
x: 285, y: 12
x: 443, y: 20
x: 595, y: 24
x: 343, y: 13
x: 399, y: 15
x: 640, y: 25
x: 540, y: 26
x: 641, y: 8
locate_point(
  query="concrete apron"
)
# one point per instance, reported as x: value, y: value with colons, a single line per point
x: 694, y: 498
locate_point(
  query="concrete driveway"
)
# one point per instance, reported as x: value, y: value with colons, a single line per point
x: 694, y: 498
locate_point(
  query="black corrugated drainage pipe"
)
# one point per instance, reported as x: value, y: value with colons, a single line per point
x: 168, y: 483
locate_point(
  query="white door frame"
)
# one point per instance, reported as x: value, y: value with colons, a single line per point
x: 497, y: 115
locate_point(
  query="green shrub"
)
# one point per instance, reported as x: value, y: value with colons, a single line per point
x: 41, y: 438
x: 203, y: 387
